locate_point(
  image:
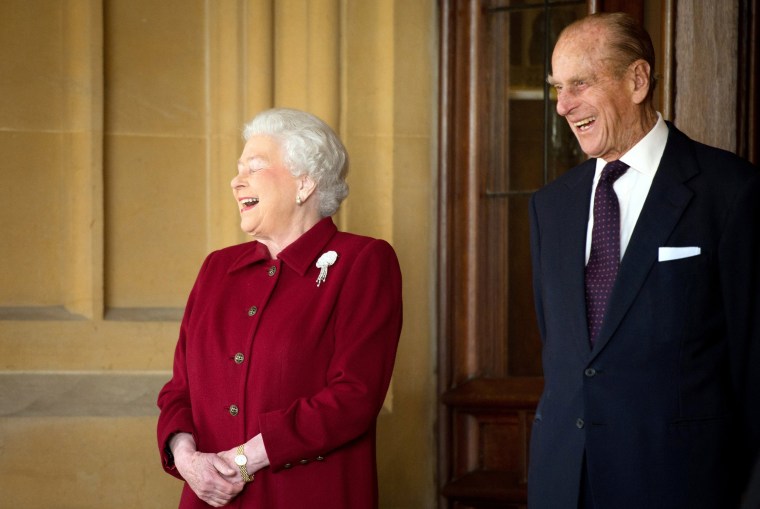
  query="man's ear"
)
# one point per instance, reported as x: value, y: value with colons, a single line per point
x: 640, y: 74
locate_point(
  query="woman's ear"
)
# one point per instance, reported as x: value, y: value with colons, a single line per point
x: 306, y: 186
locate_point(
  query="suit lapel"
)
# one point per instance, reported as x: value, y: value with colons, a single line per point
x: 665, y: 203
x: 574, y: 224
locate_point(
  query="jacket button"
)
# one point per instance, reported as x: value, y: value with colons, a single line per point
x: 590, y: 372
x: 239, y: 358
x: 303, y: 462
x: 579, y: 423
x: 320, y: 458
x: 252, y: 310
x: 234, y: 410
x: 272, y: 270
x: 287, y: 465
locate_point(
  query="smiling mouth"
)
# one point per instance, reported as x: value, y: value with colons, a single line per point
x: 585, y: 124
x: 247, y: 203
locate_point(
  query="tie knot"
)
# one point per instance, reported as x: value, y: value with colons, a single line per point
x: 613, y: 171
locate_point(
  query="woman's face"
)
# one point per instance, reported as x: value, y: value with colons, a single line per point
x: 264, y: 190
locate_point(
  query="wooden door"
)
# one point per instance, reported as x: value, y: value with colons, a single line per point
x: 500, y: 141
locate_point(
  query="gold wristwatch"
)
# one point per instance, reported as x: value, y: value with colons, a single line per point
x: 240, y: 461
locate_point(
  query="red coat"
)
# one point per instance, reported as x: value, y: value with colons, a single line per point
x: 316, y: 364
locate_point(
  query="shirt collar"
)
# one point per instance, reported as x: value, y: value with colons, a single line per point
x: 645, y: 156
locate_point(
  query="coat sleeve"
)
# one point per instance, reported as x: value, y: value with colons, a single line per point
x: 367, y: 328
x: 176, y: 414
x: 739, y: 254
x: 535, y: 253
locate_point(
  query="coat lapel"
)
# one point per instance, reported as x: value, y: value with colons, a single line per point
x: 665, y: 203
x: 574, y: 224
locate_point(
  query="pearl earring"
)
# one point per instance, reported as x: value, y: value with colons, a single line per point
x: 299, y: 201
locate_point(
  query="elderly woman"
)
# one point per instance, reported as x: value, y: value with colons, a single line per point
x: 287, y: 344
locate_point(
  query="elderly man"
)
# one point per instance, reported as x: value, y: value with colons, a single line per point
x: 646, y: 267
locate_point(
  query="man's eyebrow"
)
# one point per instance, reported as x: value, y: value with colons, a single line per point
x: 571, y: 80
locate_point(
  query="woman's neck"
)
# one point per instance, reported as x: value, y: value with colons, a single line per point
x: 278, y: 242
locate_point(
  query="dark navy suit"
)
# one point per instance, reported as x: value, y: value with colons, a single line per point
x: 665, y: 407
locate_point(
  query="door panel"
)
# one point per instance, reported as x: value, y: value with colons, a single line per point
x: 501, y: 140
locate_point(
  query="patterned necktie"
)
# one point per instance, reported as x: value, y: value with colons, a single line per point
x: 604, y: 259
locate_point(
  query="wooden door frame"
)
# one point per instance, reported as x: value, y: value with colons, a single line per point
x: 458, y: 240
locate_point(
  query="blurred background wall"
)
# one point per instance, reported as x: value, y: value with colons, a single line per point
x: 120, y: 127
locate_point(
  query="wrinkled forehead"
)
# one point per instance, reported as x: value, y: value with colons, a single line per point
x: 263, y: 148
x: 579, y: 53
x: 262, y: 144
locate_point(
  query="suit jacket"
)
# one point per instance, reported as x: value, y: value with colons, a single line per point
x: 665, y: 405
x: 263, y: 349
x: 751, y: 498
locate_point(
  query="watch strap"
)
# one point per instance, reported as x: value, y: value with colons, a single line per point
x: 243, y: 469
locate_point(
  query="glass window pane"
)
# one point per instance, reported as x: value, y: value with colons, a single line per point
x: 526, y: 144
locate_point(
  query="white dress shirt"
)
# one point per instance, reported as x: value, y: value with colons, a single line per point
x: 632, y: 188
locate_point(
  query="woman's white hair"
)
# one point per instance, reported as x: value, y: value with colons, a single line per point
x: 309, y: 147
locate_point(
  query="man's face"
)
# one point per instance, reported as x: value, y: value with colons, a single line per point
x: 599, y: 106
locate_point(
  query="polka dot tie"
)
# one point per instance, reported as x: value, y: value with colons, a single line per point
x: 604, y: 259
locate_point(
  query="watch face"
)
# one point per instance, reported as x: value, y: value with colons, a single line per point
x: 240, y: 460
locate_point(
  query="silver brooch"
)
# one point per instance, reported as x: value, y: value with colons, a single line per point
x: 323, y: 263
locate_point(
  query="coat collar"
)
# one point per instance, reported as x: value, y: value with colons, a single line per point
x: 299, y: 256
x: 664, y: 205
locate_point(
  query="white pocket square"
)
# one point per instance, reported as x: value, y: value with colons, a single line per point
x: 676, y: 253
